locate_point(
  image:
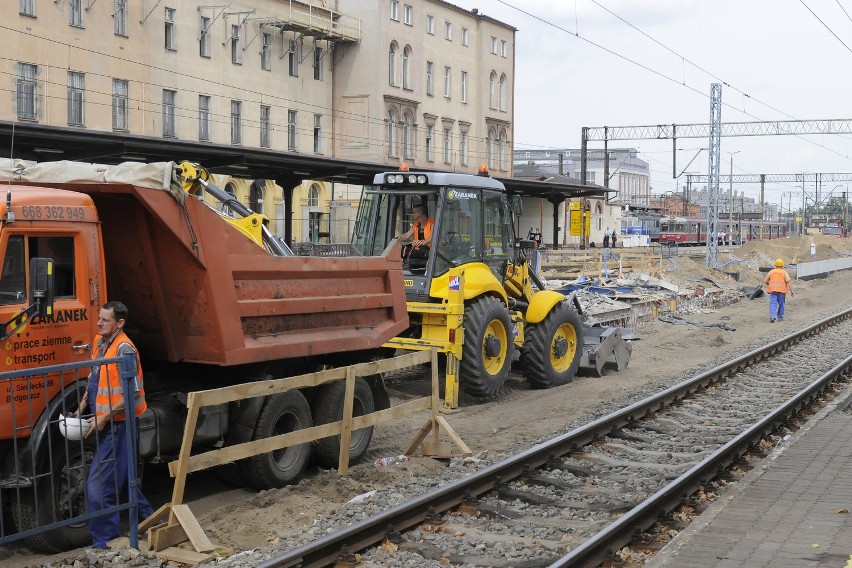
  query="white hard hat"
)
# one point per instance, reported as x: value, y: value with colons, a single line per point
x: 73, y: 427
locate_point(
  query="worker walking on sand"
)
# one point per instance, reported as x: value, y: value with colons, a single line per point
x: 777, y: 284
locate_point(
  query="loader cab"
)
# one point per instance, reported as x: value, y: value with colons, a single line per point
x: 472, y: 224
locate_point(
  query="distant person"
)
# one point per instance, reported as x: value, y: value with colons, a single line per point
x: 813, y: 251
x: 777, y: 284
x: 614, y: 238
x: 607, y: 236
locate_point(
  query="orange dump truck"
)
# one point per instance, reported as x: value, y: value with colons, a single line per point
x: 214, y: 300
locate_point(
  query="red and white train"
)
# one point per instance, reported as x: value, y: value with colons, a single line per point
x: 693, y: 231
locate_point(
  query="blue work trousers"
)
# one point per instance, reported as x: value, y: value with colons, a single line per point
x: 107, y: 481
x: 776, y: 304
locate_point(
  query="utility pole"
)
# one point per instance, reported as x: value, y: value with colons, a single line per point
x: 762, y: 186
x: 804, y: 218
x: 714, y: 143
x: 731, y: 195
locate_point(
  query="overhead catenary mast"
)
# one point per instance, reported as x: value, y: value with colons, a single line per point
x: 714, y: 146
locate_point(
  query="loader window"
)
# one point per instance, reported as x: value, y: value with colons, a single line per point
x: 13, y: 282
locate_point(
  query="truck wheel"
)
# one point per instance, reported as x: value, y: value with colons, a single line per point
x: 329, y: 408
x: 282, y: 413
x: 553, y: 347
x: 60, y: 500
x: 488, y: 347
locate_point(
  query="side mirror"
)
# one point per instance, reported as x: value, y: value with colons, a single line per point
x: 41, y: 285
x: 517, y: 205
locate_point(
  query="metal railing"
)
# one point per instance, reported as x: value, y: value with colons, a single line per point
x: 43, y: 474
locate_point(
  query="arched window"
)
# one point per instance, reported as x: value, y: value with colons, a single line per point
x: 392, y: 151
x: 489, y: 148
x: 502, y: 100
x: 406, y: 135
x: 231, y: 189
x: 392, y: 65
x: 501, y: 150
x: 406, y: 68
x: 491, y: 87
x: 313, y: 196
x: 256, y: 195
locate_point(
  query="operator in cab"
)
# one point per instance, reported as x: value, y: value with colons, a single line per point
x: 420, y: 233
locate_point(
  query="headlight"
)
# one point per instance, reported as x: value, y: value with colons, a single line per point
x: 412, y: 178
x: 421, y: 179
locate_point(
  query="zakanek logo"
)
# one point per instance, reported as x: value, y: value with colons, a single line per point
x: 456, y: 194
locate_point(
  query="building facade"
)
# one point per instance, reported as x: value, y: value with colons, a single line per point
x: 287, y: 75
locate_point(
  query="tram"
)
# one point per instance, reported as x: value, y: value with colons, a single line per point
x: 693, y: 231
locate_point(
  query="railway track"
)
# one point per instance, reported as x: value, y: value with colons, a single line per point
x: 574, y: 499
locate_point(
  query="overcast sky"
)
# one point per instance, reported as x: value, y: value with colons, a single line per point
x: 628, y: 62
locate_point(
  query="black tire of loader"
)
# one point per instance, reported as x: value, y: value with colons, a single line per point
x: 474, y: 378
x: 52, y: 501
x: 538, y: 366
x: 282, y: 413
x: 329, y: 408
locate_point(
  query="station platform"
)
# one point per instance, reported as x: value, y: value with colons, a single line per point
x: 794, y: 509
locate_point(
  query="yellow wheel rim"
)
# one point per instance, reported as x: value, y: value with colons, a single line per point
x: 565, y: 339
x: 495, y: 329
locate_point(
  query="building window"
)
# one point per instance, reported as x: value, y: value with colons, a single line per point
x: 317, y: 134
x: 204, y: 38
x: 266, y: 52
x: 204, y: 118
x: 169, y: 113
x: 291, y: 130
x: 502, y: 99
x: 494, y: 45
x: 75, y: 13
x: 236, y: 51
x: 503, y: 48
x: 392, y: 151
x: 170, y: 30
x: 26, y: 7
x: 406, y: 73
x: 430, y: 143
x: 464, y: 86
x: 236, y: 122
x: 76, y: 98
x: 447, y: 83
x: 392, y: 65
x: 430, y: 25
x: 463, y: 148
x: 448, y: 31
x: 465, y: 36
x: 313, y: 195
x: 120, y: 17
x: 430, y: 73
x: 317, y: 62
x: 492, y: 88
x: 293, y: 59
x: 394, y: 10
x: 120, y: 104
x: 501, y: 151
x: 265, y: 125
x: 27, y: 91
x: 407, y: 15
x: 406, y: 136
x: 448, y: 145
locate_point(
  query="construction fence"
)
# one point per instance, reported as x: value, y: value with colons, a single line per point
x: 593, y: 263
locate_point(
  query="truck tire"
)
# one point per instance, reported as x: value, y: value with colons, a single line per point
x: 282, y: 413
x: 488, y: 347
x: 552, y: 348
x: 329, y: 408
x: 60, y: 500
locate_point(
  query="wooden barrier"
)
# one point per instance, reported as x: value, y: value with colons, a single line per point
x: 182, y: 525
x: 598, y: 263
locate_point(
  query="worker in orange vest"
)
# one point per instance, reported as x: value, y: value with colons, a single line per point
x: 777, y: 283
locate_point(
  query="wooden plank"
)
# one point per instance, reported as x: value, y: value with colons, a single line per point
x: 453, y: 436
x: 346, y: 422
x: 193, y: 530
x: 152, y: 520
x: 421, y: 435
x: 182, y: 469
x: 164, y: 537
x: 183, y: 556
x: 248, y: 449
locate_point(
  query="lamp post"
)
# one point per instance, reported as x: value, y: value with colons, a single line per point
x: 731, y: 195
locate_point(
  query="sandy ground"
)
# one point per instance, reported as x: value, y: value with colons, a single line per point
x: 239, y: 519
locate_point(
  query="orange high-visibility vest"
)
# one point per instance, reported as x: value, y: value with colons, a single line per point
x: 776, y: 281
x: 427, y: 230
x: 109, y: 387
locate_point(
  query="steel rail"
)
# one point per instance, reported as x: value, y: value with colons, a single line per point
x: 325, y: 550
